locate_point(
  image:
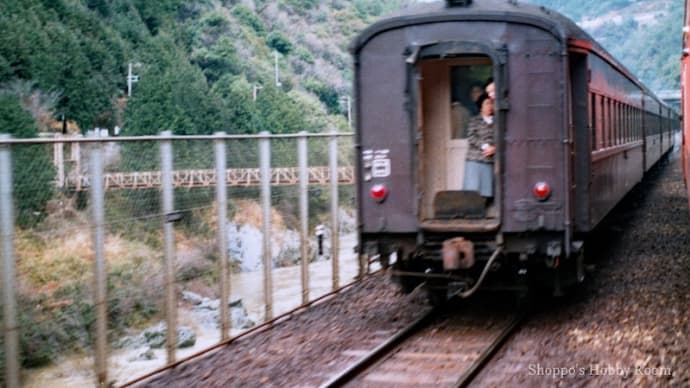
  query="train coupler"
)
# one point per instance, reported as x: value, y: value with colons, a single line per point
x: 457, y: 253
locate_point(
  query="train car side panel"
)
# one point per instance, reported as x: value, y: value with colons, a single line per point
x: 685, y: 96
x: 652, y: 130
x: 385, y: 136
x: 618, y: 153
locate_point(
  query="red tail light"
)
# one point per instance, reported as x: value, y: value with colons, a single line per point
x: 378, y: 192
x: 542, y: 190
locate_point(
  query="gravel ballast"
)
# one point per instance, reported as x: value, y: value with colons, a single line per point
x: 627, y: 325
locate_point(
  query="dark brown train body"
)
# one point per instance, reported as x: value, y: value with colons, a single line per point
x: 566, y: 114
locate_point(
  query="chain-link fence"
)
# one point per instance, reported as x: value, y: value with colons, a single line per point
x: 107, y: 242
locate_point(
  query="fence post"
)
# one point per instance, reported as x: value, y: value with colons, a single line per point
x: 222, y: 204
x: 9, y: 300
x: 75, y: 155
x: 168, y: 233
x: 100, y: 271
x: 303, y: 163
x: 59, y: 161
x: 333, y: 166
x: 265, y: 167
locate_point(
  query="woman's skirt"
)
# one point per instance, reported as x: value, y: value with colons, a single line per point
x: 479, y: 177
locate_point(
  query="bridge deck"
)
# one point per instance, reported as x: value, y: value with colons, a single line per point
x: 243, y: 177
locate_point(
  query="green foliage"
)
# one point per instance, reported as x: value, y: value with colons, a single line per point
x: 65, y: 320
x: 247, y: 17
x: 217, y: 61
x: 64, y: 47
x: 100, y: 6
x: 32, y: 169
x: 650, y: 50
x: 47, y: 331
x: 173, y: 98
x: 304, y: 55
x: 278, y: 112
x: 326, y: 93
x: 236, y: 94
x: 655, y: 60
x: 302, y: 6
x: 366, y: 8
x: 279, y: 42
x: 153, y: 13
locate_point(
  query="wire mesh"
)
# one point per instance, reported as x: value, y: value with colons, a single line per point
x: 55, y: 252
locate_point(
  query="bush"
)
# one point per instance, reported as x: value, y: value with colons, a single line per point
x: 57, y: 312
x: 304, y: 55
x: 326, y: 93
x: 279, y: 42
x: 302, y: 6
x: 247, y: 17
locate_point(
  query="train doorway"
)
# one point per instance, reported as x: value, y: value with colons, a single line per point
x: 455, y: 125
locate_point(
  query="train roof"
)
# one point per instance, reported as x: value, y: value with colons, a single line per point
x: 478, y: 10
x: 491, y: 10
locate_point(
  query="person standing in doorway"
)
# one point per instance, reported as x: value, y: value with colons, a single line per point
x: 479, y: 164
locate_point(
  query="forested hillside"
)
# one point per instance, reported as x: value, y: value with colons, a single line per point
x: 644, y: 35
x: 203, y: 63
x: 199, y: 62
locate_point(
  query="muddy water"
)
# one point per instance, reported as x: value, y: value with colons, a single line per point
x: 77, y: 371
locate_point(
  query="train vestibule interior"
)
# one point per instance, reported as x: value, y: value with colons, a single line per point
x: 457, y: 150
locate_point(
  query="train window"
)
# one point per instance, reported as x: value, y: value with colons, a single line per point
x: 628, y: 115
x: 626, y: 120
x: 592, y: 120
x: 600, y: 122
x: 640, y: 124
x: 631, y: 123
x: 621, y: 122
x: 616, y: 123
x: 633, y: 130
x: 607, y: 122
x: 624, y: 128
x: 612, y: 122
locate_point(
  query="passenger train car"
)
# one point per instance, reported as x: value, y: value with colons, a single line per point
x: 685, y: 95
x: 574, y: 131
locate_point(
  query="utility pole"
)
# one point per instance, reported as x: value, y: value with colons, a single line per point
x: 131, y: 78
x: 275, y: 56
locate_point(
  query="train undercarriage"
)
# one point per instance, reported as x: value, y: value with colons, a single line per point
x: 448, y: 265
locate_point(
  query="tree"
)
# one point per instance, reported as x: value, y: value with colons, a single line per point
x: 172, y: 97
x: 32, y: 169
x: 279, y: 42
x: 236, y: 94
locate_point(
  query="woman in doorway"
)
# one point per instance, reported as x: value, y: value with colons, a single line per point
x: 480, y: 134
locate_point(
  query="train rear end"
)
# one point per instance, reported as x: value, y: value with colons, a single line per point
x: 412, y: 75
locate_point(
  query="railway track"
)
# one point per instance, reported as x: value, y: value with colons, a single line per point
x: 440, y: 349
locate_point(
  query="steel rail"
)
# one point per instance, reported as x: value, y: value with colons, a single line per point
x: 381, y: 351
x: 255, y: 330
x: 489, y: 352
x: 378, y: 353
